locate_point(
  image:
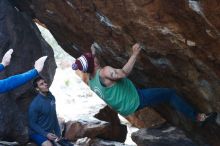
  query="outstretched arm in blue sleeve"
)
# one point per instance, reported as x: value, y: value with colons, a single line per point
x: 13, y: 82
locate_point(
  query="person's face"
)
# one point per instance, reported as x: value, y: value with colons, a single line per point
x: 42, y: 86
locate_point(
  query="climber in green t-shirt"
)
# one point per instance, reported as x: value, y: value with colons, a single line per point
x: 113, y: 86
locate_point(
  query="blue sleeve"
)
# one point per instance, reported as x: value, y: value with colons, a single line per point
x: 17, y: 80
x: 32, y: 117
x: 2, y: 67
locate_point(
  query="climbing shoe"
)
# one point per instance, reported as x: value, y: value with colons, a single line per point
x: 203, y: 118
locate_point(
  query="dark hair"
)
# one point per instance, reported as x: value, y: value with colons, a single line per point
x: 36, y: 80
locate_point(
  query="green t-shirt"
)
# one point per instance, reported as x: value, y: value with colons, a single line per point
x: 122, y: 96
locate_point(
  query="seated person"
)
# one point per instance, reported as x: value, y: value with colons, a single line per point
x: 43, y: 123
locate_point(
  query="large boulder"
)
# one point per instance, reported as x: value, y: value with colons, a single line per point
x: 106, y: 125
x: 181, y: 40
x: 165, y: 135
x: 116, y: 131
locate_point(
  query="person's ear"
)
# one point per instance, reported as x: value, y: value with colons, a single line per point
x: 37, y: 89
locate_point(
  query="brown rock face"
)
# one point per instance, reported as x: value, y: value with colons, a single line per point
x: 111, y: 129
x: 165, y: 135
x: 181, y: 41
x: 146, y: 117
x: 115, y: 131
x: 91, y: 129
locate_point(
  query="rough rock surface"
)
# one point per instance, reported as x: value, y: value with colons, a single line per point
x: 98, y: 142
x: 181, y: 40
x: 116, y: 131
x: 145, y: 117
x: 81, y: 129
x: 18, y: 31
x: 109, y: 128
x: 161, y: 136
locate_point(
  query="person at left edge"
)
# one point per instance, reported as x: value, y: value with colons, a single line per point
x: 15, y: 81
